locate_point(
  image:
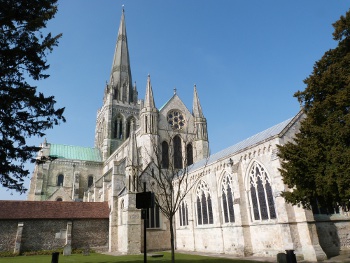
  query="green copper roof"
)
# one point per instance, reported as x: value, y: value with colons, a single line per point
x: 62, y: 151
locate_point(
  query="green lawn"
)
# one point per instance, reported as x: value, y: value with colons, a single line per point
x: 99, y: 258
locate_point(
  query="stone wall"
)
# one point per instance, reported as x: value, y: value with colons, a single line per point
x: 52, y: 234
x: 334, y: 233
x: 8, y: 230
x: 93, y: 232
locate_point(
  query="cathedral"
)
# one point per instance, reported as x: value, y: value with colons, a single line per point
x: 234, y: 207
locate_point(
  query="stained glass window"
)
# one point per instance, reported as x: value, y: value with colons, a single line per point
x: 227, y: 199
x: 261, y: 197
x: 204, y: 205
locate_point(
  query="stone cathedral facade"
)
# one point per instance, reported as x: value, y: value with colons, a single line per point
x: 235, y: 206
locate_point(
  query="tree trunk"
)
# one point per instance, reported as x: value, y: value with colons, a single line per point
x: 172, y: 241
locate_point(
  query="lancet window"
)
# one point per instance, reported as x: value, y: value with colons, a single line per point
x: 60, y: 179
x: 204, y: 204
x: 90, y: 180
x: 177, y: 152
x: 189, y: 154
x: 165, y: 155
x: 261, y: 198
x: 227, y: 199
x: 183, y: 214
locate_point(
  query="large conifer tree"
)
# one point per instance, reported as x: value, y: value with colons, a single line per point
x: 317, y: 164
x: 24, y: 112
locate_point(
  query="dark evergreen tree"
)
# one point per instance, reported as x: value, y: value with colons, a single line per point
x: 24, y: 112
x: 316, y: 165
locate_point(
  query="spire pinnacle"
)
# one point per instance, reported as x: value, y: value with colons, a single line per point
x: 149, y: 100
x: 196, y: 109
x: 132, y: 148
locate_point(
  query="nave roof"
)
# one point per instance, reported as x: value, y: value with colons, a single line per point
x: 258, y: 138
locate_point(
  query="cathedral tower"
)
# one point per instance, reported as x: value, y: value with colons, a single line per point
x: 120, y: 109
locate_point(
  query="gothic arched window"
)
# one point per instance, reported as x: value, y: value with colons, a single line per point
x: 183, y: 213
x: 261, y: 198
x: 165, y: 155
x: 177, y: 152
x: 60, y: 179
x: 204, y: 206
x: 227, y: 198
x: 189, y: 154
x: 90, y: 180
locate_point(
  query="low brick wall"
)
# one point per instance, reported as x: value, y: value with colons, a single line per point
x: 51, y: 234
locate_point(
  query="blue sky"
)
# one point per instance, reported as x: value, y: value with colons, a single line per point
x: 247, y: 59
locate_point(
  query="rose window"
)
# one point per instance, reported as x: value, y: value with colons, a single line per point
x: 176, y: 119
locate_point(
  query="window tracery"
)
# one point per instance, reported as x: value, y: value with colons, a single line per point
x: 176, y: 119
x: 227, y: 199
x: 204, y: 204
x: 261, y: 198
x: 183, y: 214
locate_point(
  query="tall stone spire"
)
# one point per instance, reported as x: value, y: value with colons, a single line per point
x: 121, y: 107
x: 120, y: 78
x: 196, y: 109
x: 149, y: 100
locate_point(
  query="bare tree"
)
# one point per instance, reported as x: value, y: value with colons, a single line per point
x: 167, y: 175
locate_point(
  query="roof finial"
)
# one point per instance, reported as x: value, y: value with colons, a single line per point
x: 123, y: 8
x: 174, y: 90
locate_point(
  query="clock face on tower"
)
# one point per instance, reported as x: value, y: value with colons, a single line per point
x: 176, y: 119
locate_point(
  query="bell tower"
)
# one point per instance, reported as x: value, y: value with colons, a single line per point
x: 119, y: 114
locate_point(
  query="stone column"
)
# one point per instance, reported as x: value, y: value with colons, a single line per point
x: 68, y: 246
x: 18, y: 238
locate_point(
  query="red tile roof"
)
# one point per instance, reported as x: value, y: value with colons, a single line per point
x: 53, y: 210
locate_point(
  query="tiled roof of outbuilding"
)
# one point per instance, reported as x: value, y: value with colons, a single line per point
x: 53, y: 210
